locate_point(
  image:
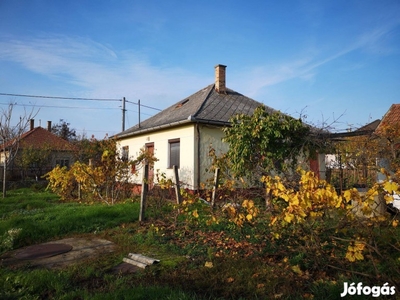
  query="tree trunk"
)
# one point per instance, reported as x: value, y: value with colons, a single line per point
x: 4, y: 177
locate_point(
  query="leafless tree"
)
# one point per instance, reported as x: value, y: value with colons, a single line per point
x: 10, y: 135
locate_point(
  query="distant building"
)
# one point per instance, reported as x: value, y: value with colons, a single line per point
x: 61, y: 152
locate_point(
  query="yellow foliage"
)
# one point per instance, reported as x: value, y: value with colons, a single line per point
x: 309, y: 200
x: 352, y: 194
x: 391, y: 187
x: 354, y: 251
x: 61, y: 182
x: 388, y: 198
x: 289, y: 217
x: 238, y: 217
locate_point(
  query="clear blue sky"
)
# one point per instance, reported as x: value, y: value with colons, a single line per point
x: 325, y: 59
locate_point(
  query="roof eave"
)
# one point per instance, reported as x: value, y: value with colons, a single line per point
x: 209, y: 122
x: 189, y: 120
x: 154, y: 128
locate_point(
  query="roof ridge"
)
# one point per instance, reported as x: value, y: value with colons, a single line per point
x: 29, y: 132
x: 53, y: 134
x: 56, y: 139
x: 211, y: 87
x: 386, y: 116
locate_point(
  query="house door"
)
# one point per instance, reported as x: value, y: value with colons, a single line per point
x: 150, y: 149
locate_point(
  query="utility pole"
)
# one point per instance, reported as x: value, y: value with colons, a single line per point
x: 123, y: 113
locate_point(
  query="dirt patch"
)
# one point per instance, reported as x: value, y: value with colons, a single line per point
x: 57, y: 254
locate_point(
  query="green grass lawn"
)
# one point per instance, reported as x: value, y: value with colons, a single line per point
x: 199, y: 259
x: 41, y: 217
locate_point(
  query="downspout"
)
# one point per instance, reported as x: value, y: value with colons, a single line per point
x: 198, y: 157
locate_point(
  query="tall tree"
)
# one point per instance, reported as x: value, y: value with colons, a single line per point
x: 63, y: 130
x: 10, y: 136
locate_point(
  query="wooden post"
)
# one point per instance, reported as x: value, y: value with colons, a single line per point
x: 177, y: 186
x: 145, y: 187
x: 216, y: 177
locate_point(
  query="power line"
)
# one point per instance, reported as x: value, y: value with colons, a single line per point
x: 135, y: 111
x: 56, y: 97
x: 75, y: 98
x: 55, y: 106
x: 85, y: 99
x: 144, y: 105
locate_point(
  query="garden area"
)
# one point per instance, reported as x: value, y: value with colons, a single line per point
x: 231, y: 252
x: 273, y: 229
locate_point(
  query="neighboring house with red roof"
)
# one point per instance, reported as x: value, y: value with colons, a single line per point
x: 60, y: 152
x: 386, y: 131
x: 389, y: 130
x: 183, y: 133
x: 390, y: 119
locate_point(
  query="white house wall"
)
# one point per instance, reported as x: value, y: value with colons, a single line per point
x: 161, y: 151
x: 194, y: 158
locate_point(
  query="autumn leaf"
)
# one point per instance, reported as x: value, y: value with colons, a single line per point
x: 297, y: 270
x: 348, y: 195
x: 354, y: 251
x: 391, y: 187
x: 350, y: 257
x: 289, y: 217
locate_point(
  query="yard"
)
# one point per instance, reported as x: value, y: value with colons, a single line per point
x: 204, y: 253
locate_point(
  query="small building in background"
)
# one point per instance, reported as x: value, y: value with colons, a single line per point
x: 39, y: 152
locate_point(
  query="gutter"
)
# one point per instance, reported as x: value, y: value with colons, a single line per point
x: 211, y: 122
x: 144, y: 130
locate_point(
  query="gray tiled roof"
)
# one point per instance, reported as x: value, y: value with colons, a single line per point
x: 204, y: 106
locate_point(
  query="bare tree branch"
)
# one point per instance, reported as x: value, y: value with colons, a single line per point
x: 10, y: 136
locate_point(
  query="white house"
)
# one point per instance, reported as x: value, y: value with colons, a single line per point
x: 182, y: 134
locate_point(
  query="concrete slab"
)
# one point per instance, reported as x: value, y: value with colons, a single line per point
x: 82, y: 248
x: 42, y: 251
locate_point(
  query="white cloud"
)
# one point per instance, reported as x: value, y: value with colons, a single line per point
x: 306, y: 66
x: 100, y: 70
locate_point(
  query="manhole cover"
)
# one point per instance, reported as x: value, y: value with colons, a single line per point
x: 42, y: 251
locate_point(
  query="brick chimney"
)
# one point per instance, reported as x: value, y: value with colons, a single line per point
x: 32, y: 124
x: 220, y: 79
x: 49, y: 126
